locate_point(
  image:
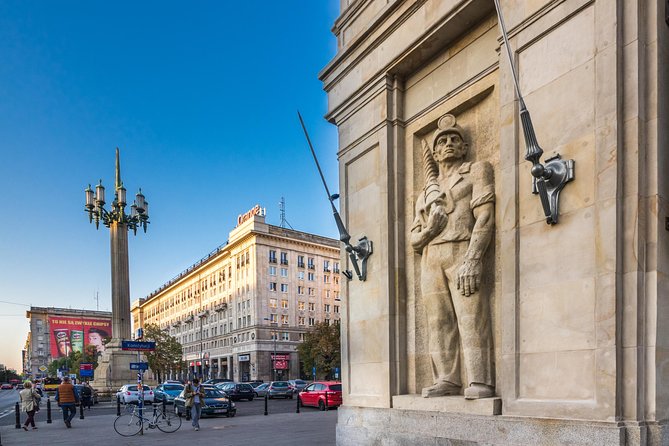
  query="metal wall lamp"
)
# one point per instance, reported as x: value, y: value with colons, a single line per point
x: 548, y: 179
x: 364, y: 248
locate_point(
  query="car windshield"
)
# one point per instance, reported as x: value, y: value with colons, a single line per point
x: 335, y: 387
x: 134, y: 388
x: 213, y: 393
x: 173, y: 387
x: 280, y: 384
x: 299, y: 382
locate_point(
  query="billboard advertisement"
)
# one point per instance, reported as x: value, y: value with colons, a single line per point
x: 72, y: 333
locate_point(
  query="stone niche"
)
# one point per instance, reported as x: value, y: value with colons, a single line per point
x: 579, y: 313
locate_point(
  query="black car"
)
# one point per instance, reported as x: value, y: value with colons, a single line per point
x: 237, y: 391
x: 215, y: 381
x: 215, y: 403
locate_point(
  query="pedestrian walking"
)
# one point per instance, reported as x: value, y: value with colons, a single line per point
x: 194, y: 394
x: 29, y: 404
x: 87, y: 395
x: 67, y: 399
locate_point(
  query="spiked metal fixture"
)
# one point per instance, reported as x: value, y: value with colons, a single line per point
x: 95, y: 201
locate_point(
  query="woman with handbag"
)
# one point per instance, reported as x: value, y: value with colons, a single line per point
x: 29, y: 404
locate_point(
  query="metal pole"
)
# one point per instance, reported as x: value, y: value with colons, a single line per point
x: 81, y: 409
x: 48, y: 410
x: 164, y: 408
x: 118, y: 406
x: 265, y: 403
x: 274, y: 363
x: 18, y: 416
x: 298, y: 403
x: 327, y: 404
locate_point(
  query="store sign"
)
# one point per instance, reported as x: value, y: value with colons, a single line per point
x: 244, y: 358
x: 281, y: 357
x: 72, y: 333
x: 280, y: 364
x: 257, y: 210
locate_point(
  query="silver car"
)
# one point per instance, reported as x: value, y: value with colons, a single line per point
x: 279, y: 389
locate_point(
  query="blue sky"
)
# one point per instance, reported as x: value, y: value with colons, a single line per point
x: 200, y: 97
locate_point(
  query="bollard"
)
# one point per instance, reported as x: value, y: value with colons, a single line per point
x: 81, y: 410
x: 265, y: 404
x: 48, y: 410
x: 188, y: 413
x: 18, y: 417
x: 164, y: 408
x: 118, y: 406
x: 298, y: 403
x: 327, y: 406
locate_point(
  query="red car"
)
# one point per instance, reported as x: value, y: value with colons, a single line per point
x: 315, y: 394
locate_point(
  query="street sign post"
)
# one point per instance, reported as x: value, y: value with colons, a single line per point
x: 86, y: 370
x: 139, y: 366
x: 148, y: 346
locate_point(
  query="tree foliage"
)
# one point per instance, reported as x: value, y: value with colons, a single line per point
x: 168, y: 352
x: 72, y: 361
x: 321, y: 349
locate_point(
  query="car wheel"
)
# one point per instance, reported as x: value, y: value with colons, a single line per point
x: 251, y: 399
x: 255, y: 394
x: 321, y: 405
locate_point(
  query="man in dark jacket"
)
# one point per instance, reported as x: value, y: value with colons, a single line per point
x: 67, y: 400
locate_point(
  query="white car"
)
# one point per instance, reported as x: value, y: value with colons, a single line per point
x: 129, y: 394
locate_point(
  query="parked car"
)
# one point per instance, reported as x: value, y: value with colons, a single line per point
x: 215, y: 381
x: 19, y: 386
x: 314, y: 394
x: 261, y: 390
x: 216, y: 403
x: 94, y: 393
x: 255, y: 383
x: 129, y: 394
x: 298, y: 385
x: 237, y: 391
x: 279, y: 389
x: 167, y: 392
x: 6, y: 386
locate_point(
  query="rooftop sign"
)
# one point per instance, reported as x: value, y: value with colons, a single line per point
x: 257, y: 210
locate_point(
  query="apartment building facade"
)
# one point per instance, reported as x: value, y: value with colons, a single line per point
x: 241, y: 311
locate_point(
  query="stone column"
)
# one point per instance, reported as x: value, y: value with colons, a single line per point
x: 120, y: 284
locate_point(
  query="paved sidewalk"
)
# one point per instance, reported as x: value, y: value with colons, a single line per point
x: 281, y: 429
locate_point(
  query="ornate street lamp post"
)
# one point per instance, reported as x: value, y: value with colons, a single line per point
x: 118, y: 223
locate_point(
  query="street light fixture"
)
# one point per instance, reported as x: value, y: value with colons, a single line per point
x: 274, y: 336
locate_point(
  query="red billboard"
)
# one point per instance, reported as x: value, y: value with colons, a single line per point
x: 72, y: 333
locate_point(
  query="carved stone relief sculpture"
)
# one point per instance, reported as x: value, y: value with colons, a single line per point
x: 451, y: 230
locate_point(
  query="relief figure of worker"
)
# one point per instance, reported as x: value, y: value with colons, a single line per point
x: 452, y: 229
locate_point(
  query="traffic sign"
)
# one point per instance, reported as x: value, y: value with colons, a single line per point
x: 138, y: 345
x: 86, y: 369
x: 139, y: 366
x: 42, y: 368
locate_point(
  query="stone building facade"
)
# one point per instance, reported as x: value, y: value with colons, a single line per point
x: 579, y: 314
x: 40, y: 348
x: 255, y: 296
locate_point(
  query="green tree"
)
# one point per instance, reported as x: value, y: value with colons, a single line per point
x: 168, y: 353
x: 321, y: 349
x: 73, y: 361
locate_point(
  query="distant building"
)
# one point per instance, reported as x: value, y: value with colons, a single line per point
x: 254, y: 296
x: 55, y: 332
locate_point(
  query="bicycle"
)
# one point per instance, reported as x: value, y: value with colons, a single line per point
x: 130, y: 424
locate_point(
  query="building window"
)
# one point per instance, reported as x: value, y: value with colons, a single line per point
x: 272, y: 256
x: 326, y: 266
x: 300, y: 261
x: 284, y: 272
x: 272, y: 318
x: 336, y: 308
x: 284, y: 287
x: 274, y: 336
x: 272, y: 270
x: 336, y: 280
x: 312, y: 306
x: 272, y: 303
x: 310, y: 276
x: 300, y: 275
x: 312, y: 292
x: 312, y: 321
x: 300, y: 320
x: 285, y: 336
x: 326, y: 278
x: 300, y: 290
x: 335, y: 267
x: 327, y: 308
x: 300, y: 305
x: 336, y: 295
x: 302, y: 337
x: 310, y: 263
x: 272, y: 286
x: 284, y: 258
x: 327, y: 321
x: 284, y: 303
x: 284, y: 319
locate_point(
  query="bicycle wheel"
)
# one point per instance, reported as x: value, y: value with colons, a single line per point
x: 167, y: 422
x: 128, y: 425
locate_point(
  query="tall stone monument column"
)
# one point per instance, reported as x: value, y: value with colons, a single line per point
x: 113, y: 369
x: 479, y: 323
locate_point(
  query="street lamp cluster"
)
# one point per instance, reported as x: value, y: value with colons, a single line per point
x: 95, y: 201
